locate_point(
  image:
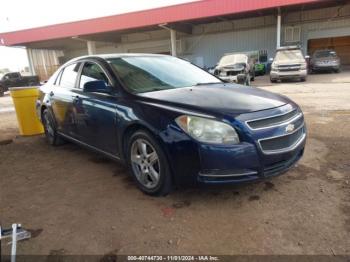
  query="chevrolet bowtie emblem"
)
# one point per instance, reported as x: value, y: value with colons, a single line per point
x: 290, y: 128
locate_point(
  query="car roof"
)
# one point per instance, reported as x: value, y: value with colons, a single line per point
x: 116, y: 55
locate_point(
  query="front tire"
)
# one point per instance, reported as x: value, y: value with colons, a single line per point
x: 252, y: 77
x: 148, y: 164
x: 247, y: 81
x: 50, y: 129
x: 273, y: 80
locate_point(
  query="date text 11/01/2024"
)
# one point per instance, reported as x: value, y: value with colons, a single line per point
x: 173, y: 258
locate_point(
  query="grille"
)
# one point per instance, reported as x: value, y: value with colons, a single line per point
x: 272, y: 121
x: 233, y: 73
x: 285, y: 68
x: 292, y: 65
x: 282, y: 142
x: 289, y: 69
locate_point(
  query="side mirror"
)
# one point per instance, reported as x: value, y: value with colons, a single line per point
x: 271, y: 59
x: 307, y: 57
x: 98, y: 86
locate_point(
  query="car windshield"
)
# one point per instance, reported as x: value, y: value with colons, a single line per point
x: 324, y: 54
x: 286, y: 55
x: 141, y: 74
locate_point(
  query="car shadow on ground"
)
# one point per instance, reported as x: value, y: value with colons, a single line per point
x: 199, y: 192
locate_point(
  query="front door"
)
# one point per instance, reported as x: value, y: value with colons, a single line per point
x: 96, y: 112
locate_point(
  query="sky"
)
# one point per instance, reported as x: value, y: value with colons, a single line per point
x: 22, y: 14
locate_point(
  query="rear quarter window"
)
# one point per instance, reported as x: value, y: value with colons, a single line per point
x: 69, y: 76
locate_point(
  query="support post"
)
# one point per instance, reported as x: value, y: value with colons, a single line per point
x: 91, y: 46
x: 30, y: 61
x: 279, y: 28
x: 173, y: 42
x: 14, y: 243
x: 44, y: 63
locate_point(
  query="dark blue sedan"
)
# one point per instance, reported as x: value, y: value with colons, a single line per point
x: 172, y: 123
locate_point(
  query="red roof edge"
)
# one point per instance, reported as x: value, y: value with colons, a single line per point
x: 169, y: 14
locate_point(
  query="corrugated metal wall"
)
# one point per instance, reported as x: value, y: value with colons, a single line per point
x: 210, y: 41
x: 211, y: 47
x: 321, y: 23
x: 44, y: 62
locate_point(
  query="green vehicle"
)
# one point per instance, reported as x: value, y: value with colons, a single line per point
x: 260, y: 69
x: 260, y: 58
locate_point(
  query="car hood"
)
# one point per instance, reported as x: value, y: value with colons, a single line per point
x: 232, y: 67
x: 233, y: 59
x: 290, y: 61
x: 218, y: 98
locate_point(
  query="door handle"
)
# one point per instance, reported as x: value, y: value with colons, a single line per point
x: 51, y: 93
x: 76, y: 99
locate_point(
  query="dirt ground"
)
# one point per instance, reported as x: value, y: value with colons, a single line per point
x: 77, y: 202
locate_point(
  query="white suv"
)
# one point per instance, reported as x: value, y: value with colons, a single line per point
x: 289, y: 63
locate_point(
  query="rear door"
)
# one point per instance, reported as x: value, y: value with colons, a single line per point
x: 96, y: 112
x: 62, y: 97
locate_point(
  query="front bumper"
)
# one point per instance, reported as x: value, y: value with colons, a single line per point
x: 236, y: 171
x: 276, y: 74
x: 194, y: 163
x: 239, y: 79
x: 256, y: 157
x: 269, y: 151
x: 325, y: 67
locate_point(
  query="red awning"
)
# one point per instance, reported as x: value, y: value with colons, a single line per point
x: 170, y: 14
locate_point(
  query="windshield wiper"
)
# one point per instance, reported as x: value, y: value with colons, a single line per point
x: 209, y: 83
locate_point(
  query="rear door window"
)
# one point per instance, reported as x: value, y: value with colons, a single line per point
x: 69, y: 76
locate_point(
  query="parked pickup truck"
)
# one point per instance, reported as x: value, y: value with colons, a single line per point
x: 15, y: 79
x: 289, y: 63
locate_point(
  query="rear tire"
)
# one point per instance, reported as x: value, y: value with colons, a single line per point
x: 148, y: 164
x: 273, y: 80
x: 51, y: 134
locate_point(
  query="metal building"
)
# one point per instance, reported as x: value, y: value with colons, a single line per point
x: 198, y: 31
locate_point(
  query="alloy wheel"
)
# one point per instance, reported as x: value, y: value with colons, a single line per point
x: 145, y: 163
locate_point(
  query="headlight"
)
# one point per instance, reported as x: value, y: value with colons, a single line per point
x: 207, y: 130
x: 303, y: 66
x: 274, y: 66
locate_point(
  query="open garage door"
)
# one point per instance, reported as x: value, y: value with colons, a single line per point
x: 340, y: 44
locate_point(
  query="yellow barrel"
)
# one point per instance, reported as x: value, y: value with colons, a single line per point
x: 24, y: 99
